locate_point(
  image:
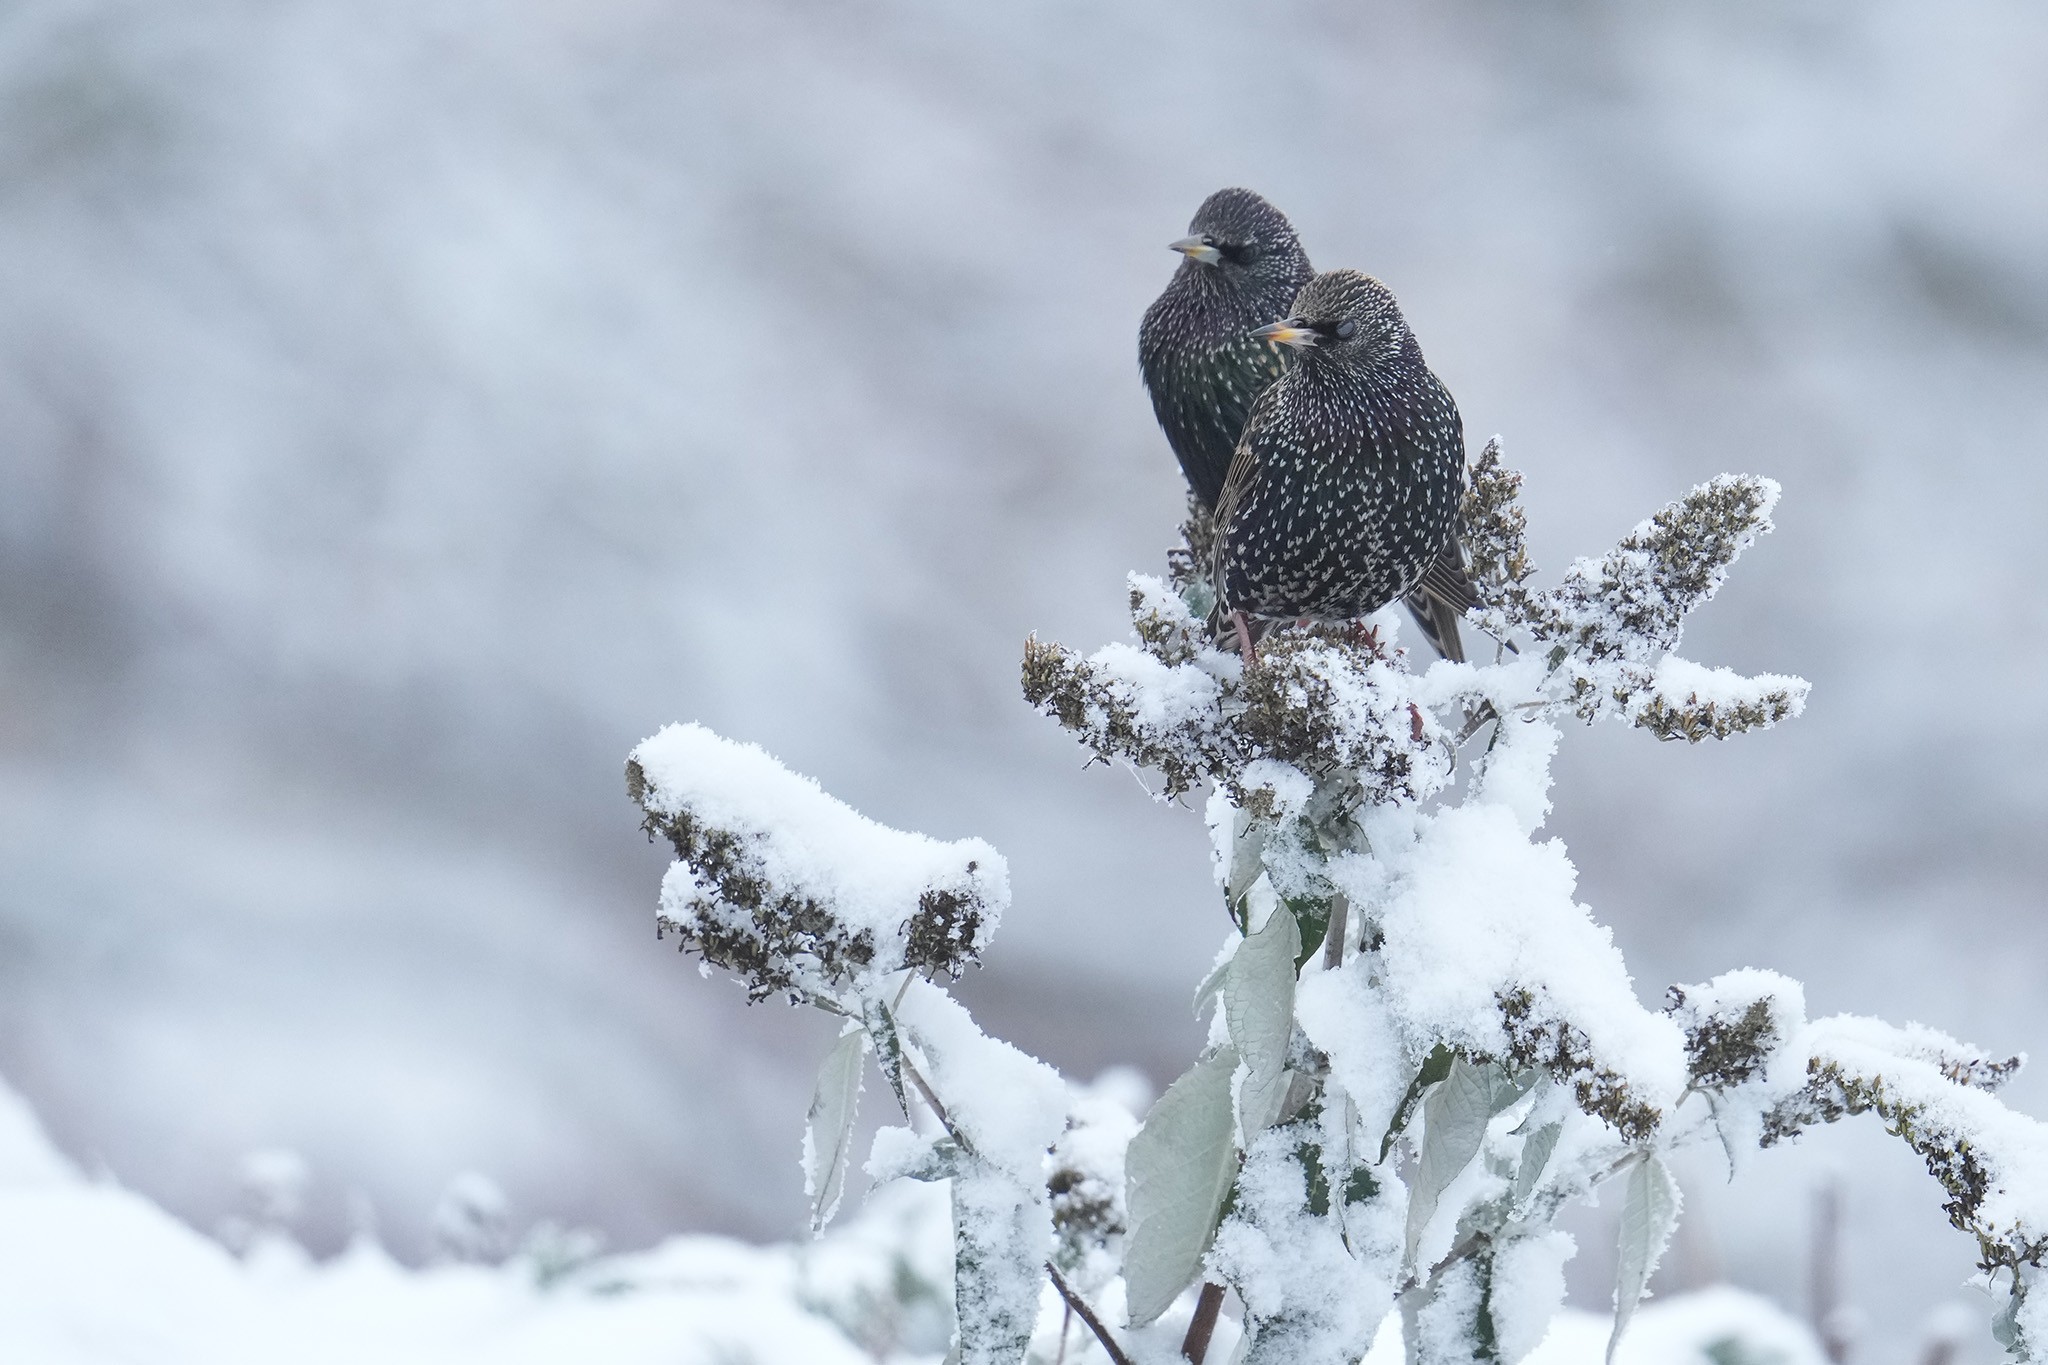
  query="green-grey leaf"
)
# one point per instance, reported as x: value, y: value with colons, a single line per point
x: 1434, y: 1068
x: 1536, y: 1150
x: 1454, y: 1117
x: 1649, y: 1212
x: 1211, y: 984
x: 828, y: 1130
x: 1258, y: 1006
x: 1247, y: 854
x: 1178, y: 1170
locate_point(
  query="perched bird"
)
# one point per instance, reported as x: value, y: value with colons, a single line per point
x: 1197, y: 347
x: 1344, y: 491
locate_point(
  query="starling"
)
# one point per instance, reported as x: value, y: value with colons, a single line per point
x: 1344, y: 490
x: 1197, y: 347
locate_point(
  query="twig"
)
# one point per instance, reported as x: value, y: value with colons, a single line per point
x: 938, y: 1110
x: 1202, y: 1326
x: 1087, y: 1315
x: 1066, y: 1325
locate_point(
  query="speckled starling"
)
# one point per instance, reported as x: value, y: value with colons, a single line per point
x: 1197, y: 348
x: 1344, y: 490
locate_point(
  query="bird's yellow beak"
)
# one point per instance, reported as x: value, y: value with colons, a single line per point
x: 1288, y: 332
x: 1195, y: 249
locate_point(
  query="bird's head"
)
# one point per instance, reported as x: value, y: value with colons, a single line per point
x: 1347, y: 314
x: 1244, y: 239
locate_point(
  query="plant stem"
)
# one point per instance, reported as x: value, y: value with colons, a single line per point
x: 1333, y: 937
x: 1202, y: 1326
x: 938, y: 1110
x: 1082, y: 1311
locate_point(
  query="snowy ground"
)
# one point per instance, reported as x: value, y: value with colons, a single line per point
x: 98, y: 1275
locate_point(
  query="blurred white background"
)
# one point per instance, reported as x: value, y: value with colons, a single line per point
x: 409, y: 406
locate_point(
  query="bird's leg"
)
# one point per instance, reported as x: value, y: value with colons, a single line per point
x: 1244, y: 638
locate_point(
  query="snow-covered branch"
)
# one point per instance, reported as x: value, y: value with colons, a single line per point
x: 1422, y: 1046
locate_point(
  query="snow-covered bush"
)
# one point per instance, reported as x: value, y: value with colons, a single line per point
x: 1422, y: 1047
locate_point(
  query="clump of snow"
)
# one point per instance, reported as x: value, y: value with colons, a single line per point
x: 1008, y: 1105
x: 1486, y: 950
x: 1274, y: 791
x: 794, y: 890
x: 1517, y: 772
x: 1526, y: 1290
x: 1086, y: 1186
x: 1307, y: 1296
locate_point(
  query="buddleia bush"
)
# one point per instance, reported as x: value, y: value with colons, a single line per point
x: 1421, y: 1047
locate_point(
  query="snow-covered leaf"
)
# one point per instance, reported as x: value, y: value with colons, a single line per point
x: 1258, y: 1005
x: 828, y: 1129
x: 1178, y: 1171
x: 1649, y: 1213
x: 881, y: 1027
x: 1002, y: 1235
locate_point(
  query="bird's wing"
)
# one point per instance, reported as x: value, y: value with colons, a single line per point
x: 1439, y: 622
x: 1442, y: 595
x: 1447, y: 579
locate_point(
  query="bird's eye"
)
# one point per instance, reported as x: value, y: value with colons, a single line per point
x: 1235, y: 252
x: 1346, y: 330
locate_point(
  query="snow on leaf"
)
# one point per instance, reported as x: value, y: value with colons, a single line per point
x: 828, y: 1129
x: 1002, y: 1235
x: 1649, y: 1214
x: 1177, y: 1173
x: 1258, y: 1003
x: 881, y: 1027
x: 1008, y: 1106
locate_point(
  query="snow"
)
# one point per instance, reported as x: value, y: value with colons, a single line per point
x: 1476, y: 910
x: 1089, y: 1210
x: 1707, y: 1327
x: 1915, y: 1069
x: 1353, y: 1023
x: 1163, y: 698
x: 793, y: 843
x: 97, y: 1275
x: 1008, y: 1105
x: 1517, y: 772
x: 27, y: 1160
x: 1311, y: 1296
x: 1527, y: 1290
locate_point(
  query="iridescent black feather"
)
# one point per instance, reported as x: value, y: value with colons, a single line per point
x: 1344, y: 491
x: 1201, y: 363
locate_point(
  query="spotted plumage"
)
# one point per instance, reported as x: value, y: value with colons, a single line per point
x: 1196, y: 348
x: 1343, y: 494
